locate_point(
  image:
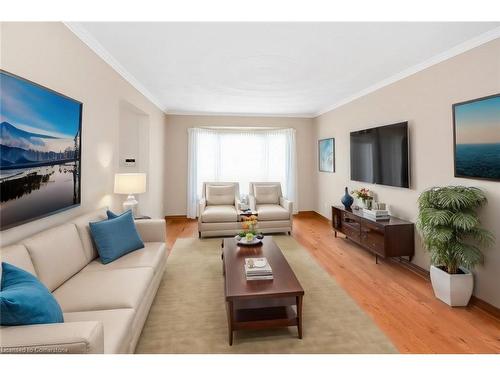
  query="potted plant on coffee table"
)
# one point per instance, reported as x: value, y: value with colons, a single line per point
x: 451, y: 232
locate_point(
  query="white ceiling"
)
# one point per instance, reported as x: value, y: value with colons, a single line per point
x: 281, y: 69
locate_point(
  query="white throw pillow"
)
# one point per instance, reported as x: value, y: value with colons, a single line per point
x: 267, y: 194
x: 218, y: 195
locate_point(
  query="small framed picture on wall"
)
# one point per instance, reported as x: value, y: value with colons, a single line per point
x: 326, y: 155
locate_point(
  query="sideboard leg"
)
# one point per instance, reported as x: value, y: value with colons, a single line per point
x: 376, y: 259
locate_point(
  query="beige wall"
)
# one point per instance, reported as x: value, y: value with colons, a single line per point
x: 51, y: 55
x: 176, y: 143
x: 424, y: 99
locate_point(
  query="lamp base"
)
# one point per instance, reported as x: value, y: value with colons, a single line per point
x: 130, y: 204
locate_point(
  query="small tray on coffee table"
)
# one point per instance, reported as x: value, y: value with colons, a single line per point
x: 242, y: 241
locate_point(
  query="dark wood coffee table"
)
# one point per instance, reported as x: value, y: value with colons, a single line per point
x: 260, y: 304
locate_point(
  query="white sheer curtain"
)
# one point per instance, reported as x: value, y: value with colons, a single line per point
x: 241, y: 155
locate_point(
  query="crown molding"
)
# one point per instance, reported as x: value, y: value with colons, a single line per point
x: 100, y: 51
x: 457, y: 50
x: 232, y: 114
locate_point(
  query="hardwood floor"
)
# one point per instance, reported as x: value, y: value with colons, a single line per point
x: 400, y: 301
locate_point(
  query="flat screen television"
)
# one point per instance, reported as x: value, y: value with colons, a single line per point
x: 381, y: 155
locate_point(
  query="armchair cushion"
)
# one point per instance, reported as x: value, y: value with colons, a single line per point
x: 267, y: 194
x: 220, y: 195
x: 219, y: 214
x: 269, y: 212
x: 286, y: 204
x: 251, y: 202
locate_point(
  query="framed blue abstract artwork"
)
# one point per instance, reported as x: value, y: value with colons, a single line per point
x: 476, y: 133
x: 326, y: 150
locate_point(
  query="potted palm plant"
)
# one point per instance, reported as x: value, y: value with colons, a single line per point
x: 451, y: 231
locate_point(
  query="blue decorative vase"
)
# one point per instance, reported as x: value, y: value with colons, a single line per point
x: 347, y: 200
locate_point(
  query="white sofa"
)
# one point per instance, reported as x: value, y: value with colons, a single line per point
x: 274, y: 212
x: 104, y: 305
x: 218, y: 209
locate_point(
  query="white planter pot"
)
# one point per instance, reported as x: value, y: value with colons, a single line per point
x: 455, y: 290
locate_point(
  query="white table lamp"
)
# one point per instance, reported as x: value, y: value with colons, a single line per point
x: 130, y: 183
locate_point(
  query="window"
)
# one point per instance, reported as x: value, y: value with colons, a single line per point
x: 243, y: 156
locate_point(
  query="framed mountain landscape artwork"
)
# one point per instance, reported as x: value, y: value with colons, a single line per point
x: 326, y: 150
x: 476, y: 125
x: 40, y: 149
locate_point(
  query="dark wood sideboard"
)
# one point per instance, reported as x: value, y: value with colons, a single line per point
x: 384, y: 238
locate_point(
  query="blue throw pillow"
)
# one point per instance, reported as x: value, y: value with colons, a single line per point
x: 112, y: 215
x: 25, y: 300
x: 116, y: 237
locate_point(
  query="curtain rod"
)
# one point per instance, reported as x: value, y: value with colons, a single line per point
x: 244, y: 127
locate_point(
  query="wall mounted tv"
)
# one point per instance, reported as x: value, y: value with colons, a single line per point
x: 381, y: 155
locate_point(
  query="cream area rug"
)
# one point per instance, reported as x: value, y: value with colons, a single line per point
x: 189, y: 315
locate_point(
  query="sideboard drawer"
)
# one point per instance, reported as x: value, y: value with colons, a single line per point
x: 349, y: 217
x: 352, y: 231
x: 373, y: 237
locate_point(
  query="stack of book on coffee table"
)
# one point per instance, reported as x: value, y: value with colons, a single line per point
x: 258, y: 269
x: 376, y: 214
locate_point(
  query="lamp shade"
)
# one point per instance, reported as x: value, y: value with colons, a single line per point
x: 130, y: 183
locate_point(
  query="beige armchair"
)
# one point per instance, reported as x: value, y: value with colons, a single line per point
x: 218, y: 209
x: 273, y: 210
